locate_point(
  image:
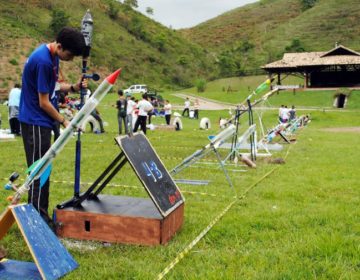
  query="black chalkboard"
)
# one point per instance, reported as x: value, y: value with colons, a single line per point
x: 151, y: 172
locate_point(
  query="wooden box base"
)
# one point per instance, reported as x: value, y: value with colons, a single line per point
x: 119, y: 219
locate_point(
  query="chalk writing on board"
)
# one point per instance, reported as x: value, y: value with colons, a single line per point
x: 151, y: 172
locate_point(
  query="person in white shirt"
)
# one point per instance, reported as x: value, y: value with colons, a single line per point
x: 280, y: 113
x: 131, y: 105
x: 144, y: 107
x: 167, y: 109
x: 285, y: 114
x: 14, y: 101
x: 186, y: 107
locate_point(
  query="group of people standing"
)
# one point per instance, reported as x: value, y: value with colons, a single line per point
x: 129, y: 108
x: 187, y: 105
x: 286, y: 114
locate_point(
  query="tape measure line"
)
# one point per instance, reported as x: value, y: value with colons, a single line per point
x: 194, y: 242
x: 182, y: 254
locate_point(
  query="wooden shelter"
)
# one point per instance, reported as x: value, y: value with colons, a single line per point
x: 339, y: 67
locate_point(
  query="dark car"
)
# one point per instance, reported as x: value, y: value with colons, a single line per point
x: 156, y: 99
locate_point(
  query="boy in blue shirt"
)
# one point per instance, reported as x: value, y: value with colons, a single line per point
x: 37, y: 110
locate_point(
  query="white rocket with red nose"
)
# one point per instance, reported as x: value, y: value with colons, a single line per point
x: 42, y: 164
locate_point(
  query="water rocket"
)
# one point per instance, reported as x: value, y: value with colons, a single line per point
x: 42, y: 164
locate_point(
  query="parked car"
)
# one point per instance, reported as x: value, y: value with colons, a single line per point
x: 135, y: 89
x: 155, y: 98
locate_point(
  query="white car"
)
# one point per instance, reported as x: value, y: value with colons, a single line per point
x: 135, y: 89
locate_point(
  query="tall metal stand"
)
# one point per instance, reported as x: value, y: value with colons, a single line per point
x: 86, y: 30
x: 234, y: 141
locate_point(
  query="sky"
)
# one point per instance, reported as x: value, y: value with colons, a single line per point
x: 188, y: 13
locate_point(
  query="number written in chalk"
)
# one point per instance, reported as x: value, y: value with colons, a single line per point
x: 152, y: 170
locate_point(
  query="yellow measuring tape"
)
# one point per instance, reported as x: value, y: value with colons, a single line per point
x: 183, y: 253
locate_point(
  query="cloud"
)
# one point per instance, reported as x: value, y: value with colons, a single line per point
x: 188, y: 13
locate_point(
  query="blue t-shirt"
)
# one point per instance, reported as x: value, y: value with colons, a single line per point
x: 39, y: 76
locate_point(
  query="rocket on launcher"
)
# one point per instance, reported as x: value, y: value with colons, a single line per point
x: 42, y: 164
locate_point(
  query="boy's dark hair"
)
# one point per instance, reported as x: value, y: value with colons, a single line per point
x: 144, y: 96
x: 120, y: 92
x: 17, y: 85
x: 71, y: 40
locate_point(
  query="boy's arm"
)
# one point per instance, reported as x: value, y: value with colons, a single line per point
x: 49, y: 109
x: 74, y: 87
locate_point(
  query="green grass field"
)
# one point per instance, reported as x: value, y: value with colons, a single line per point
x: 299, y: 222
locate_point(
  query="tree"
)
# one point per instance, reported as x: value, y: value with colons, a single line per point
x: 245, y: 46
x: 160, y: 42
x: 150, y: 11
x: 137, y: 29
x: 295, y: 46
x: 307, y: 4
x: 227, y: 64
x: 183, y: 60
x: 200, y: 85
x: 131, y: 3
x: 59, y: 19
x: 113, y: 10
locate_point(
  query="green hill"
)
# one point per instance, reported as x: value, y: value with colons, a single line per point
x: 235, y: 43
x: 147, y: 51
x: 248, y: 37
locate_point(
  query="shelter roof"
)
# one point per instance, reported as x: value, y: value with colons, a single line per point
x: 340, y: 55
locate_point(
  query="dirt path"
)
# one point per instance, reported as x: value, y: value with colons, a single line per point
x: 355, y: 129
x: 205, y: 104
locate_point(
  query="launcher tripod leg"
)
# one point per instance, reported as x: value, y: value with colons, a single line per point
x: 223, y: 168
x: 284, y: 138
x: 112, y: 169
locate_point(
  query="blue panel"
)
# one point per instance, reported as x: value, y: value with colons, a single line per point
x: 17, y: 270
x: 52, y: 257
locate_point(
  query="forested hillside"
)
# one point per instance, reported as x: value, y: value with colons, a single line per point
x: 232, y: 44
x: 250, y: 36
x: 147, y: 51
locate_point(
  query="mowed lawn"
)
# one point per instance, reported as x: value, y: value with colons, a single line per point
x: 299, y: 222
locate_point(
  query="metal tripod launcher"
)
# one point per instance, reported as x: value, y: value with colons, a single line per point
x: 213, y: 146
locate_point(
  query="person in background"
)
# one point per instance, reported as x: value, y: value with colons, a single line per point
x: 144, y: 108
x: 37, y: 112
x: 151, y: 113
x: 292, y: 113
x: 167, y: 110
x: 14, y: 102
x: 121, y: 105
x: 285, y: 114
x: 186, y: 107
x: 281, y: 113
x: 129, y: 111
x: 95, y: 113
x: 196, y: 108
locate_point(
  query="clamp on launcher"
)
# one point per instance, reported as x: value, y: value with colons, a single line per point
x: 92, y: 76
x: 11, y: 184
